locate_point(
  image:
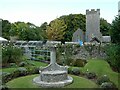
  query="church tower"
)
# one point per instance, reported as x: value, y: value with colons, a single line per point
x: 93, y: 25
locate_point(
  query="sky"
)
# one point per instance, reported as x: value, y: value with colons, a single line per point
x: 40, y: 11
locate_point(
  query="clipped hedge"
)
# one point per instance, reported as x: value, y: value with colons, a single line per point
x: 90, y: 75
x: 76, y: 71
x: 21, y: 71
x: 80, y: 63
x: 107, y: 85
x: 6, y: 76
x: 103, y: 79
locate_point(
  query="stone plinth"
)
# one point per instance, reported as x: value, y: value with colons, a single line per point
x: 57, y: 84
x: 53, y: 75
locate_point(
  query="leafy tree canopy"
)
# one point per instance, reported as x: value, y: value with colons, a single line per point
x: 56, y: 29
x: 115, y: 30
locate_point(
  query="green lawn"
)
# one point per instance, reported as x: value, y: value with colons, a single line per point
x: 101, y: 67
x: 7, y: 70
x: 26, y: 82
x: 36, y: 63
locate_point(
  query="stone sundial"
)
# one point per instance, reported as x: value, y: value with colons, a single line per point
x: 53, y: 75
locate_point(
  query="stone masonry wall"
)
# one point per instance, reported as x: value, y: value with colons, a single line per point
x: 89, y: 51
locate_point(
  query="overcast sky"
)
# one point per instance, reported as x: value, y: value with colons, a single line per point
x: 40, y: 11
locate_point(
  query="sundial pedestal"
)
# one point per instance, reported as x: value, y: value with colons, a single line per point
x: 53, y: 75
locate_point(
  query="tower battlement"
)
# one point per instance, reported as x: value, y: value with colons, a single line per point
x: 92, y: 11
x: 93, y: 24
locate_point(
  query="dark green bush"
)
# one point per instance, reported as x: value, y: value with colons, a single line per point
x: 11, y: 54
x: 103, y: 79
x: 107, y: 85
x: 16, y: 73
x: 70, y: 70
x: 23, y: 71
x: 6, y: 76
x: 90, y: 75
x: 4, y: 87
x: 113, y: 53
x: 36, y: 70
x: 80, y: 63
x: 20, y: 72
x: 13, y: 65
x: 22, y: 64
x: 33, y: 70
x: 76, y: 71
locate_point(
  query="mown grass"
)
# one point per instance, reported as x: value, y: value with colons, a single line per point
x: 101, y: 67
x: 26, y: 82
x: 36, y: 63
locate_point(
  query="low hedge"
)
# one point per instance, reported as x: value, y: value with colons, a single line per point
x: 21, y: 71
x: 108, y: 85
x: 90, y: 75
x: 76, y: 71
x: 103, y: 79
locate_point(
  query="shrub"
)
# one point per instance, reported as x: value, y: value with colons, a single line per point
x: 36, y: 70
x: 113, y: 53
x: 13, y: 65
x: 40, y: 58
x: 6, y: 76
x: 102, y: 79
x: 11, y: 54
x: 33, y: 70
x: 4, y: 87
x: 76, y: 71
x: 22, y: 64
x: 90, y: 75
x: 107, y: 85
x: 20, y: 72
x: 80, y: 63
x: 70, y: 70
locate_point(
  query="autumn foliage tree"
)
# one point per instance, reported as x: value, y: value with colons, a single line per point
x: 56, y: 30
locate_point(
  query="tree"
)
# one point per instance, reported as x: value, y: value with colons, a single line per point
x: 43, y: 27
x: 113, y: 51
x: 56, y: 30
x: 6, y: 26
x: 26, y: 31
x: 11, y: 54
x: 104, y: 27
x: 73, y: 22
x: 115, y: 30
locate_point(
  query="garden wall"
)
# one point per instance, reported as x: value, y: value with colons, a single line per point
x: 89, y: 51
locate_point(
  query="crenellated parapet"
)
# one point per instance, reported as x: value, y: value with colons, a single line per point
x: 92, y: 11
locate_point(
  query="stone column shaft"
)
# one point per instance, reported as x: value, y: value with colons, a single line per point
x: 53, y: 55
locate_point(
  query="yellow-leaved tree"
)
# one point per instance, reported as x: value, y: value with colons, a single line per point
x: 56, y: 30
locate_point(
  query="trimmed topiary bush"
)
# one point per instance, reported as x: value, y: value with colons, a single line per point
x: 21, y: 71
x: 33, y: 70
x: 13, y: 65
x: 76, y: 71
x: 22, y: 64
x: 70, y: 70
x: 90, y: 75
x: 6, y: 76
x: 103, y: 79
x: 36, y: 70
x: 107, y: 85
x: 80, y: 63
x: 4, y: 87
